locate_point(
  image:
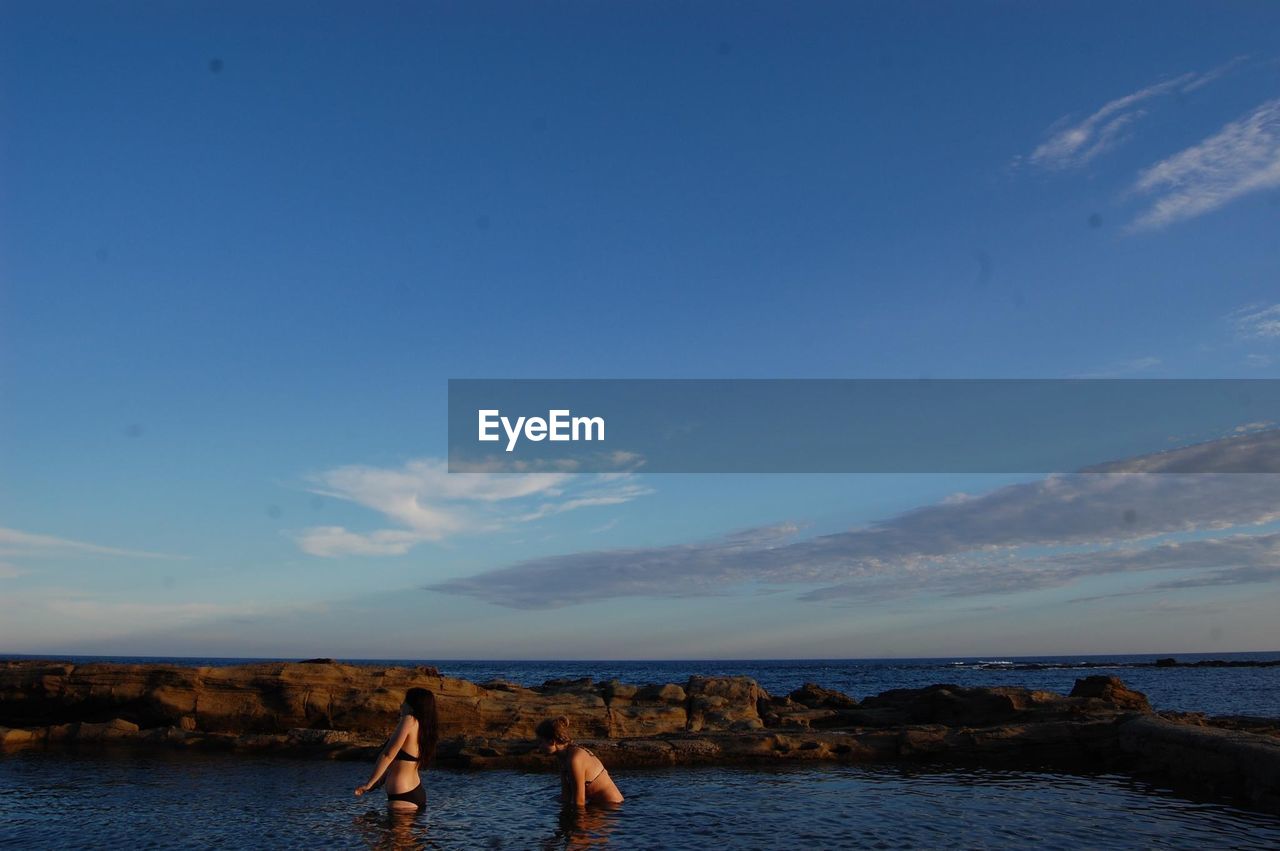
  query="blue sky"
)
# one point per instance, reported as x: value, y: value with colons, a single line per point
x: 243, y: 249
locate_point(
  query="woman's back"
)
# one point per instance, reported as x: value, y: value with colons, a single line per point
x: 599, y: 785
x: 402, y: 774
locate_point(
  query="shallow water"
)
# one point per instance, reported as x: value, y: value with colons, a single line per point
x: 163, y: 800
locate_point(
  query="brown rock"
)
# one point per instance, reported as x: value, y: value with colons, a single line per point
x: 717, y: 703
x: 10, y: 737
x: 1112, y: 690
x: 117, y: 728
x: 665, y: 693
x: 815, y: 696
x: 952, y: 704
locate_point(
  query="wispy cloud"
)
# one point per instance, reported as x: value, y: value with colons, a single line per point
x: 1241, y: 158
x: 427, y: 503
x: 68, y: 614
x: 160, y: 615
x: 1257, y: 321
x: 1249, y: 575
x: 15, y: 542
x: 1215, y: 74
x: 1073, y: 143
x: 1250, y: 448
x: 1233, y: 559
x: 967, y: 545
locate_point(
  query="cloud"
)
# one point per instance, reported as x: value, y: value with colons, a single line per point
x: 8, y: 571
x: 1249, y: 448
x: 338, y: 541
x: 68, y: 614
x: 974, y: 545
x: 428, y: 503
x: 1234, y: 555
x: 1252, y: 559
x: 616, y: 461
x: 1073, y: 144
x: 1241, y: 158
x: 160, y: 615
x: 1257, y: 321
x: 1215, y: 74
x: 1234, y: 559
x: 14, y: 542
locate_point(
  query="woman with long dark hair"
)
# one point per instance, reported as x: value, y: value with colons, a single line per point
x: 397, y: 766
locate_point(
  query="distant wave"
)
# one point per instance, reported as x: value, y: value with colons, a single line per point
x: 1007, y: 665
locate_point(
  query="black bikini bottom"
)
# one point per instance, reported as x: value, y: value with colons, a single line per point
x: 417, y: 795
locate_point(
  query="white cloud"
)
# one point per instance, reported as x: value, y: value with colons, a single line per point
x: 1210, y: 76
x: 338, y: 541
x: 8, y: 571
x: 1241, y: 158
x: 428, y: 503
x: 1071, y: 144
x: 1257, y: 321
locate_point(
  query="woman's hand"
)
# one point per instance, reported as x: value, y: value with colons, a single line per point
x: 360, y: 790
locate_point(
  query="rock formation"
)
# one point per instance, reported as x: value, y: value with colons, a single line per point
x: 325, y: 708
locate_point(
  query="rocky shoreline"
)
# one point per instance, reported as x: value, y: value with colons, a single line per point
x: 322, y: 708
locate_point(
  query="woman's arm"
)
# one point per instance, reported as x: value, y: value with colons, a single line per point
x: 386, y: 755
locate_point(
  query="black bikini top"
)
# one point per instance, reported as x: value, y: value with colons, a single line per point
x: 403, y: 754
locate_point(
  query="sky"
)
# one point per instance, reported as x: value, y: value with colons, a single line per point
x: 243, y: 249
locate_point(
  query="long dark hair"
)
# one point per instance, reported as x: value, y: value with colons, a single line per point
x: 422, y: 705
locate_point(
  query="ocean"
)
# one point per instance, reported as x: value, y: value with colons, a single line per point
x: 160, y: 799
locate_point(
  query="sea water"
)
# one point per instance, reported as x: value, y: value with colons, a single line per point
x: 167, y: 800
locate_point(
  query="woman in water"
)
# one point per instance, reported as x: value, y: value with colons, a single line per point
x: 582, y: 775
x: 397, y: 765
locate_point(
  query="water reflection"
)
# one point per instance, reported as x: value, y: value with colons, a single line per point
x: 584, y: 827
x: 393, y: 830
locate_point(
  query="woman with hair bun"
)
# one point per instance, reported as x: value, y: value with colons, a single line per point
x: 583, y: 776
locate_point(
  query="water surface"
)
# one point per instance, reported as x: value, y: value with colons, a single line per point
x: 166, y: 800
